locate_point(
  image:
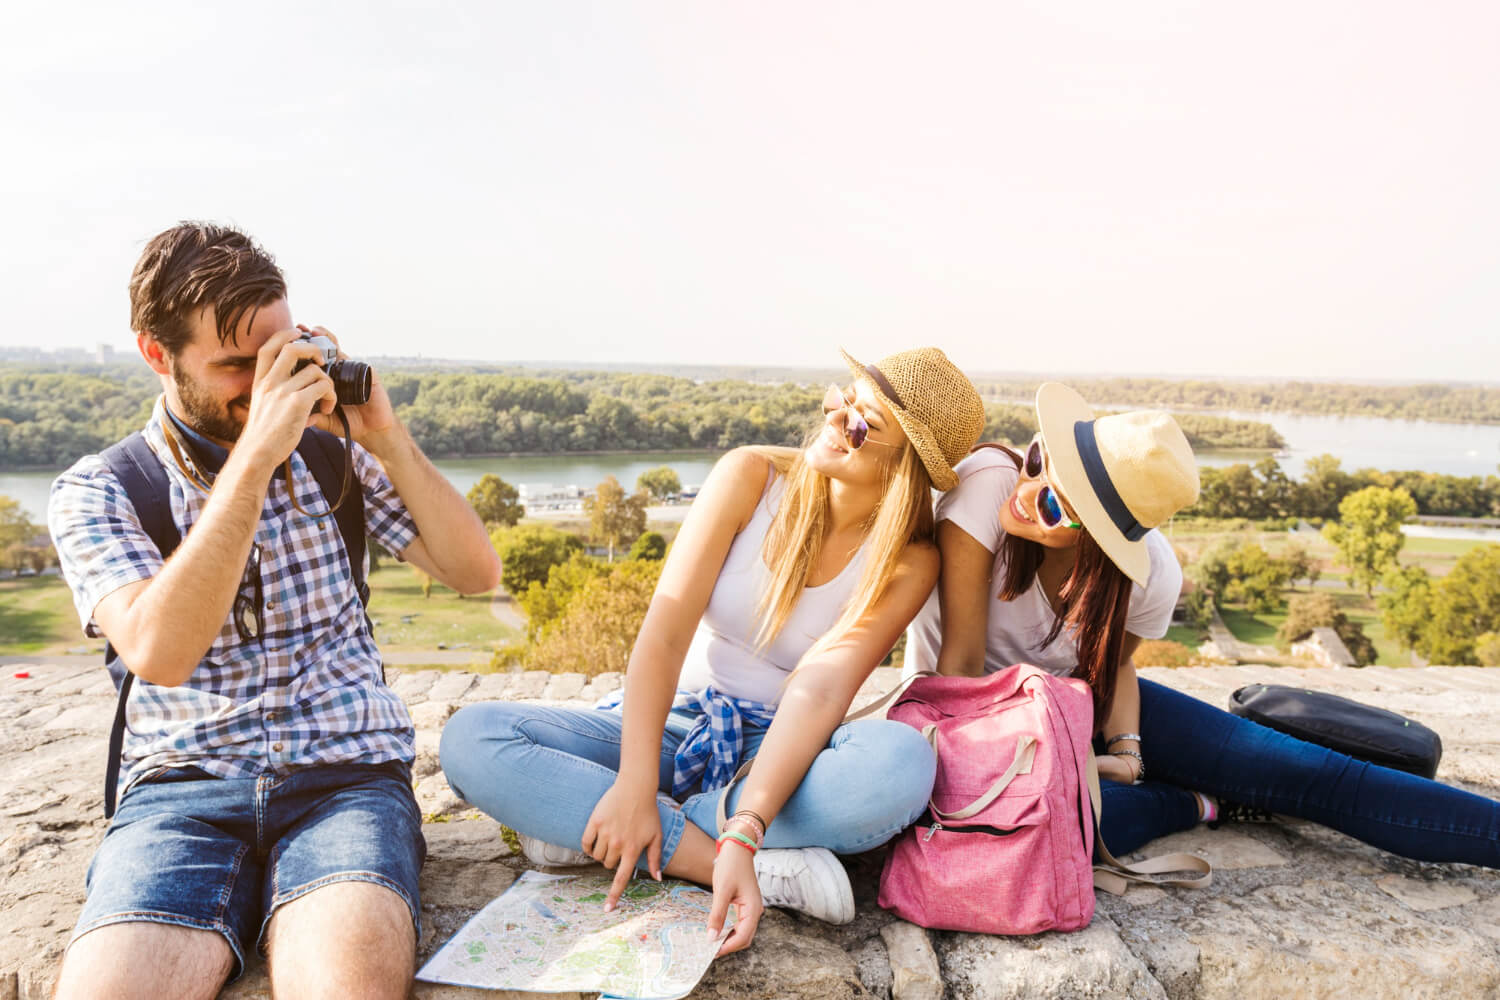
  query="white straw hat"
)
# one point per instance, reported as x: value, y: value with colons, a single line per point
x: 1124, y: 474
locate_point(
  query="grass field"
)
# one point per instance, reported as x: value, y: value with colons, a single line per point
x: 1256, y: 629
x: 1185, y: 634
x: 37, y: 616
x: 407, y: 622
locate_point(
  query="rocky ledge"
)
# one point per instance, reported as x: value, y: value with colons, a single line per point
x: 1295, y: 909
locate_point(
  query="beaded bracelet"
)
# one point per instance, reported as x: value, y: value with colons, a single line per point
x: 1140, y: 774
x: 758, y: 827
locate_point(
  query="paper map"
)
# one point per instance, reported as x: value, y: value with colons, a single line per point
x: 550, y: 934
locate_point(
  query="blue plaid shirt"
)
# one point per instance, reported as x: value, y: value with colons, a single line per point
x: 310, y: 690
x: 712, y: 748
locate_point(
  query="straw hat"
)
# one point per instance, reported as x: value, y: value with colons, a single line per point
x: 1124, y: 474
x: 935, y: 404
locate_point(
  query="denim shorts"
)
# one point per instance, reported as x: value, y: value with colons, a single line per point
x: 221, y: 854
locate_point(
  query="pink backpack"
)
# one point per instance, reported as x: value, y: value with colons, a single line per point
x: 1007, y: 844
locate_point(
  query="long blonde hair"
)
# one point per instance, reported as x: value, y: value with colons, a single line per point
x: 795, y: 538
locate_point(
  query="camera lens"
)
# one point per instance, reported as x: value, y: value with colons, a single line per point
x: 351, y: 382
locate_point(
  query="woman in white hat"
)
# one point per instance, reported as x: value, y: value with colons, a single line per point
x: 1053, y: 558
x: 792, y: 576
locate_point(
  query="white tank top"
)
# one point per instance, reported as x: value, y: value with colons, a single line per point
x: 723, y: 653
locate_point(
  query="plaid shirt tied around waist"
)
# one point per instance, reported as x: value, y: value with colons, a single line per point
x: 310, y: 689
x: 712, y: 748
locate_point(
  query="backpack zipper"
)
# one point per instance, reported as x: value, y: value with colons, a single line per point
x: 993, y: 831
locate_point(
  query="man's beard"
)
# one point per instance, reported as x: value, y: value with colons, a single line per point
x: 202, y: 412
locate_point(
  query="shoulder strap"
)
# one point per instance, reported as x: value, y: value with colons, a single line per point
x: 145, y: 482
x: 325, y: 457
x: 1114, y: 876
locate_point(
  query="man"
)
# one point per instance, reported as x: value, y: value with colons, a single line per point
x: 267, y: 791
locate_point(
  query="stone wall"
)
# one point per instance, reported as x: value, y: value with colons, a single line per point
x: 1295, y: 909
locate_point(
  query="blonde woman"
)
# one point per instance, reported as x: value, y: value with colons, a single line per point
x: 793, y: 575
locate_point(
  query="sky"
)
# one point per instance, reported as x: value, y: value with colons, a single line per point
x: 1280, y: 188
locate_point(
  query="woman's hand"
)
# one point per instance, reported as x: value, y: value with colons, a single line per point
x: 735, y: 884
x: 623, y: 825
x: 1121, y: 769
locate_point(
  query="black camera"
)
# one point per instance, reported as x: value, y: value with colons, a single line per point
x: 351, y: 379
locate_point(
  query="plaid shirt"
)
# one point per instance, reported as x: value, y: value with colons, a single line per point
x: 712, y: 748
x: 310, y: 689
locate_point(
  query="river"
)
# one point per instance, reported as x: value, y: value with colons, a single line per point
x: 1456, y: 449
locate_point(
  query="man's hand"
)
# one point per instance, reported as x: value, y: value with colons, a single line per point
x: 282, y: 402
x: 371, y: 420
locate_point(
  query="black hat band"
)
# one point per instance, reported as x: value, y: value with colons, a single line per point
x: 1104, y: 487
x: 885, y: 386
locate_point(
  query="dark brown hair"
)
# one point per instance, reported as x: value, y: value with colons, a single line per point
x: 195, y: 265
x: 1093, y: 604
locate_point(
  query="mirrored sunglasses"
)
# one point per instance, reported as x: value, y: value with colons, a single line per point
x: 1049, y: 508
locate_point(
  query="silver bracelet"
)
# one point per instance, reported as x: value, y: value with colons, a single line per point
x: 1121, y: 736
x: 1140, y: 775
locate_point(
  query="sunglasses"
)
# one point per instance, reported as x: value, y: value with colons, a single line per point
x: 1049, y: 508
x: 246, y: 615
x: 856, y: 428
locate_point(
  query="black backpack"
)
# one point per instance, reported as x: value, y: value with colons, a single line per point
x: 139, y: 471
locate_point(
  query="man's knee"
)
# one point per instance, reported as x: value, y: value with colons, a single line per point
x: 145, y: 959
x: 350, y: 938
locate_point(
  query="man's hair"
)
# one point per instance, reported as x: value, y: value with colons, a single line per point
x: 194, y: 265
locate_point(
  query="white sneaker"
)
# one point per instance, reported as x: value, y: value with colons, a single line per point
x: 539, y: 852
x: 809, y: 880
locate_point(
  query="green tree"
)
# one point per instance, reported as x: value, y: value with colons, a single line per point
x: 495, y: 501
x: 1487, y: 649
x: 615, y: 517
x: 529, y: 551
x: 1406, y: 605
x: 1300, y: 565
x: 1255, y: 578
x: 650, y: 545
x: 1199, y: 607
x: 598, y: 628
x: 661, y: 482
x: 1276, y: 493
x: 545, y: 602
x: 1323, y: 485
x: 1464, y: 605
x: 1368, y: 532
x: 1305, y: 612
x: 15, y: 528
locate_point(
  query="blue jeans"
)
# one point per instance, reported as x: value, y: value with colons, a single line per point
x: 1191, y: 744
x: 222, y: 854
x: 541, y: 771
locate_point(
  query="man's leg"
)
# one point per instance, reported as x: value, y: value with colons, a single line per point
x: 345, y: 939
x: 173, y: 891
x: 341, y: 893
x: 145, y: 961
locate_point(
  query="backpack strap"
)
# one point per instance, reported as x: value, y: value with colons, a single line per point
x: 327, y: 459
x: 1114, y: 876
x: 145, y: 482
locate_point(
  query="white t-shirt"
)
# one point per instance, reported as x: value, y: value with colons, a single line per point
x: 1018, y: 628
